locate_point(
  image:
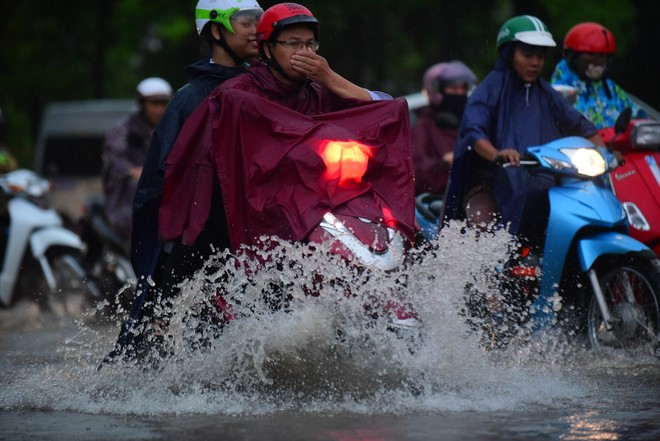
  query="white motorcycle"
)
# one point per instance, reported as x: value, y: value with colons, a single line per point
x: 40, y: 255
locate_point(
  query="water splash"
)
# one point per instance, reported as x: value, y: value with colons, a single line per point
x: 311, y: 335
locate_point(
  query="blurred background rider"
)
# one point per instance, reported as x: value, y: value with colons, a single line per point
x: 124, y: 152
x: 446, y: 86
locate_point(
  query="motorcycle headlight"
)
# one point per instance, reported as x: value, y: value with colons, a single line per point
x: 586, y: 161
x: 646, y: 134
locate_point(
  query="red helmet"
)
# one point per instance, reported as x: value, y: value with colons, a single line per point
x: 281, y: 15
x: 590, y: 37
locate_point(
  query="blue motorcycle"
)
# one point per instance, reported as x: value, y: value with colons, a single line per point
x: 588, y: 260
x: 428, y: 212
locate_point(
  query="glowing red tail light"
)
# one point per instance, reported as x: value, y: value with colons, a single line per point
x: 346, y: 161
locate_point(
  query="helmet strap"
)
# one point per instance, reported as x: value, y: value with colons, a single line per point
x: 223, y: 44
x: 505, y: 53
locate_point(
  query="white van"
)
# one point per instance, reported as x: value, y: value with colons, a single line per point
x: 69, y: 146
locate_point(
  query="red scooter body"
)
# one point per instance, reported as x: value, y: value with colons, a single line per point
x: 637, y: 182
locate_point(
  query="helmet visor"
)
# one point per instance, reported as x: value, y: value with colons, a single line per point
x: 249, y: 13
x: 536, y: 38
x: 246, y: 17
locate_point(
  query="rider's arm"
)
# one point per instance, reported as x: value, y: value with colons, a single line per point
x: 317, y: 69
x: 489, y: 152
x: 343, y: 88
x: 596, y: 139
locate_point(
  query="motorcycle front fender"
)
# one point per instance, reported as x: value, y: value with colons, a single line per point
x: 42, y: 240
x: 589, y: 249
x: 386, y: 261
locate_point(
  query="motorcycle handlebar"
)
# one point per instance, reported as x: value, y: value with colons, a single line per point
x: 500, y: 162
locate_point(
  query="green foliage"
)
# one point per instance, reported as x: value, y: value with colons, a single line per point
x: 565, y: 13
x: 82, y: 49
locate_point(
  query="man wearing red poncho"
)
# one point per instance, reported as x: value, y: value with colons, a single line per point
x: 258, y: 142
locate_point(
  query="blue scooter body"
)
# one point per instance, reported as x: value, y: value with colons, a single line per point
x: 585, y: 218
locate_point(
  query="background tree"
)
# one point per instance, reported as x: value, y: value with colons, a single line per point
x: 81, y: 49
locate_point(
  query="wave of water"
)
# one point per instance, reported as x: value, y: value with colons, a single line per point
x: 321, y: 354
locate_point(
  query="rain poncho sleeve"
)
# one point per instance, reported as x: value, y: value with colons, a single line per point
x: 600, y: 101
x: 188, y: 182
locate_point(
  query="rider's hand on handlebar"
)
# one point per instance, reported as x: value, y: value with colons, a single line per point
x: 508, y: 156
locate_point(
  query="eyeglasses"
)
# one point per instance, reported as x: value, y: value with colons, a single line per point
x: 297, y: 44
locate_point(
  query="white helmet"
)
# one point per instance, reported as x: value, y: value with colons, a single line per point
x: 154, y: 87
x: 220, y: 11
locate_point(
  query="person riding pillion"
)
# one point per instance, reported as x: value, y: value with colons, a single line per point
x: 589, y: 49
x: 230, y: 28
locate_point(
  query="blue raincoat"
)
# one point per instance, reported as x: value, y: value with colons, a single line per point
x: 511, y: 114
x: 600, y: 101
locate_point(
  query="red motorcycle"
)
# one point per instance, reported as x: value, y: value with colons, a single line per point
x: 637, y: 182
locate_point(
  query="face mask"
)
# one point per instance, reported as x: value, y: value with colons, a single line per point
x: 454, y: 104
x: 594, y: 71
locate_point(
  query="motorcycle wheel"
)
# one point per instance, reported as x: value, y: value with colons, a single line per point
x: 73, y: 291
x: 116, y: 280
x: 638, y: 321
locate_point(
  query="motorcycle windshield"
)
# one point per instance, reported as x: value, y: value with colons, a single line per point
x: 280, y: 171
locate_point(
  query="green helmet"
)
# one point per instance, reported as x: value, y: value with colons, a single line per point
x: 221, y: 11
x: 527, y: 29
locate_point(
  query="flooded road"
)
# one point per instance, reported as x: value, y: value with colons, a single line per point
x: 290, y: 375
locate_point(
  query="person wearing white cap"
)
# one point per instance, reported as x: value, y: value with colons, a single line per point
x: 124, y: 152
x: 153, y: 95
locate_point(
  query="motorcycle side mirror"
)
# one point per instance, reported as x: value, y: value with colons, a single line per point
x: 623, y: 120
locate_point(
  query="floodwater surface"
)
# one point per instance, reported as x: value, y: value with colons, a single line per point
x: 324, y: 367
